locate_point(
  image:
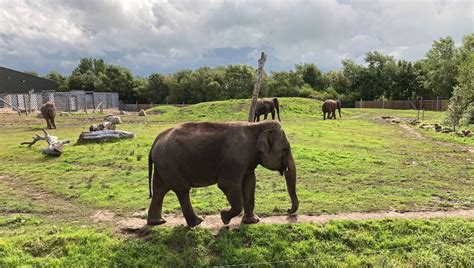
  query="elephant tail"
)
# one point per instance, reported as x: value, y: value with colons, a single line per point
x: 150, y: 171
x: 277, y: 107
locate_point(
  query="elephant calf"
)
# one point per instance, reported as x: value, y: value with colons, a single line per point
x: 48, y: 110
x: 329, y: 107
x: 202, y: 154
x: 266, y: 106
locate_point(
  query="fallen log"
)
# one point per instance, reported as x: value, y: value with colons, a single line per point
x: 55, y: 146
x: 104, y: 136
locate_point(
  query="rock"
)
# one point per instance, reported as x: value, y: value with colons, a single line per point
x: 437, y: 127
x: 63, y: 114
x: 446, y: 130
x: 386, y: 117
x: 459, y: 134
x: 142, y: 113
x: 114, y: 119
x: 39, y: 115
x: 122, y: 112
x: 413, y: 122
x: 466, y: 132
x: 395, y: 121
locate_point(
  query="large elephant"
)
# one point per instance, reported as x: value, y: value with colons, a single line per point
x: 329, y: 107
x: 48, y: 110
x: 202, y: 154
x: 266, y: 106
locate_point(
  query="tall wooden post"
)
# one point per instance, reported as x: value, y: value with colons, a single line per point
x: 256, y: 88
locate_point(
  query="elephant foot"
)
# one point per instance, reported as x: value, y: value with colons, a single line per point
x: 250, y: 219
x: 227, y: 215
x: 195, y: 221
x: 156, y: 222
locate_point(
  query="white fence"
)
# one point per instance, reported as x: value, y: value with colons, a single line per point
x: 72, y: 101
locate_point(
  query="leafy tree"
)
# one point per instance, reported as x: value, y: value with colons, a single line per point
x: 60, y: 79
x: 461, y: 107
x: 33, y: 73
x: 157, y: 90
x: 441, y: 65
x: 312, y: 76
x: 238, y: 81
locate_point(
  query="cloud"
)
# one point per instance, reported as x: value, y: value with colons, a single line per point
x: 164, y: 36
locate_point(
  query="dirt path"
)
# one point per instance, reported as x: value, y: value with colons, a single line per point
x: 134, y: 224
x: 420, y: 136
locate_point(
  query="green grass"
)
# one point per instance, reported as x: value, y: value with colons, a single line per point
x: 343, y: 165
x: 393, y: 243
x: 353, y: 164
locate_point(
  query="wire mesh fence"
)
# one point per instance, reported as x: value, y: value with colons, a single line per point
x: 72, y: 101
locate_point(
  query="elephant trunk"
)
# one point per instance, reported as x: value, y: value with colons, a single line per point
x: 290, y: 177
x: 277, y: 107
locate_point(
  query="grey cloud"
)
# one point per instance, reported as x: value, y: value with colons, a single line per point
x: 149, y: 36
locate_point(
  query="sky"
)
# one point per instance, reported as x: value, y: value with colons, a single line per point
x: 165, y: 36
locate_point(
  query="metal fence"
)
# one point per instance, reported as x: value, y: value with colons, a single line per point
x: 72, y: 101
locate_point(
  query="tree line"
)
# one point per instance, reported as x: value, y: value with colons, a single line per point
x: 444, y: 69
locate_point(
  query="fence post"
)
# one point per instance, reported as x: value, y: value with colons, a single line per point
x: 360, y: 102
x: 85, y: 103
x: 136, y: 106
x: 437, y: 103
x: 68, y: 103
x: 383, y: 102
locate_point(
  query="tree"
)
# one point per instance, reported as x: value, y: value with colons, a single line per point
x: 60, y: 79
x: 461, y: 107
x: 33, y: 73
x: 441, y: 67
x: 238, y: 81
x: 312, y: 76
x: 157, y: 90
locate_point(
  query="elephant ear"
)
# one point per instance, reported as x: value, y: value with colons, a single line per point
x: 266, y: 140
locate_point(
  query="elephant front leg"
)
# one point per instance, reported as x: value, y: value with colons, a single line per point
x: 233, y: 192
x: 248, y: 196
x: 159, y: 192
x: 191, y: 218
x: 265, y: 116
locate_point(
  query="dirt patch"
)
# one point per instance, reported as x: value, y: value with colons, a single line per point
x: 357, y: 116
x: 412, y: 131
x: 137, y: 226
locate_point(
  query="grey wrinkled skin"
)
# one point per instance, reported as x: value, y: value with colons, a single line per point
x: 266, y: 106
x: 226, y: 154
x: 329, y: 107
x: 48, y: 110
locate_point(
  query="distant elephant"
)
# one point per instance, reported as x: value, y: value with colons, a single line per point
x: 48, y: 110
x: 265, y: 106
x: 202, y: 154
x: 329, y: 107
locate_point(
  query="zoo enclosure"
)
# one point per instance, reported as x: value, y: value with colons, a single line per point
x: 72, y: 101
x: 438, y: 104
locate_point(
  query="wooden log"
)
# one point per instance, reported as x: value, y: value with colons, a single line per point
x: 256, y: 89
x: 55, y: 146
x: 104, y: 136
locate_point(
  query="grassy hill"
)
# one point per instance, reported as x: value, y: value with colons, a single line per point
x: 356, y: 164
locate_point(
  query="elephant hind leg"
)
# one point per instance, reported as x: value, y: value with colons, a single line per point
x: 48, y: 122
x: 191, y: 218
x: 265, y: 116
x: 159, y: 191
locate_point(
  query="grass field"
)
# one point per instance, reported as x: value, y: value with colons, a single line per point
x: 357, y: 164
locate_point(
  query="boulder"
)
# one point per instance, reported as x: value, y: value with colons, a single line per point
x: 142, y: 113
x: 446, y: 130
x: 114, y: 119
x: 122, y: 112
x: 39, y: 115
x: 63, y: 114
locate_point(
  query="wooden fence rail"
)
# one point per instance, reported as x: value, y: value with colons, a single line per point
x: 420, y: 104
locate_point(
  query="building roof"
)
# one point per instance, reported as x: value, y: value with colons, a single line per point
x: 15, y: 82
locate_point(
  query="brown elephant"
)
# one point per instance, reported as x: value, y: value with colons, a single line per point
x: 329, y: 107
x: 48, y: 110
x: 202, y: 154
x: 265, y: 106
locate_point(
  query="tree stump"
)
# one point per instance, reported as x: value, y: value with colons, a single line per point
x: 55, y: 146
x: 104, y: 136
